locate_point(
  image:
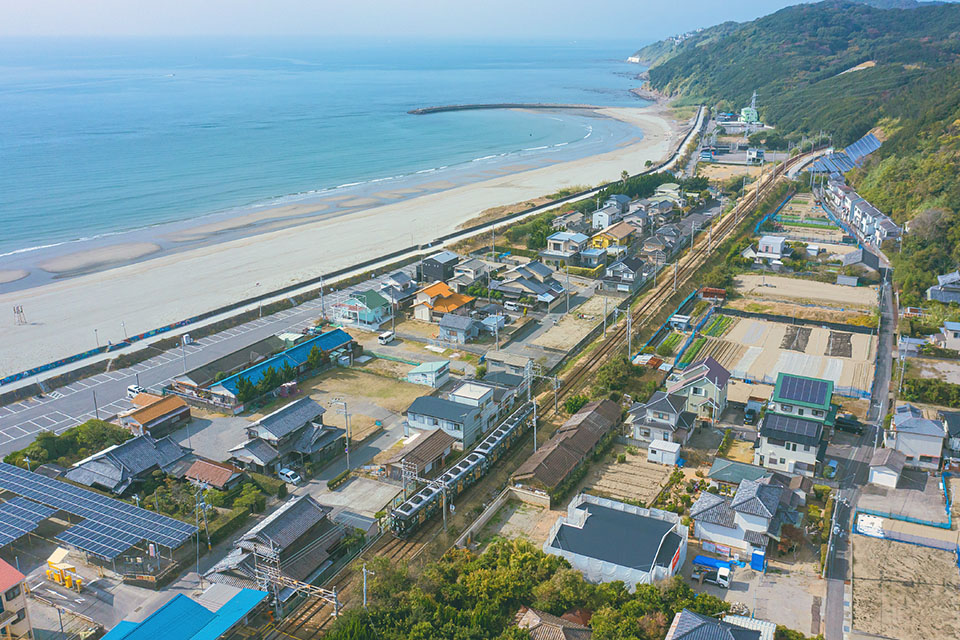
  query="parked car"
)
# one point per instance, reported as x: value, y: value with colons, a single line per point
x: 289, y: 475
x: 750, y: 416
x: 849, y: 423
x: 133, y: 391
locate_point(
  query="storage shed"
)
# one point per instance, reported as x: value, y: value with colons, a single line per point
x: 886, y: 466
x: 664, y: 452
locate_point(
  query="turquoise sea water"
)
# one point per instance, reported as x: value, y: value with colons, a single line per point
x: 104, y: 137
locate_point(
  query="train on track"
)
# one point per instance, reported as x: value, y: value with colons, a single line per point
x: 416, y: 510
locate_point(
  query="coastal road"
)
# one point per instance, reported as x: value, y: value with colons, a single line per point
x: 105, y: 394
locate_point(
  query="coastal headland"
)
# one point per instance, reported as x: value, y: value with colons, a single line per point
x: 66, y: 316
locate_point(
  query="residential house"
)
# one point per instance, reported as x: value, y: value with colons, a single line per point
x: 563, y: 248
x: 947, y: 289
x: 482, y: 396
x: 606, y: 216
x: 755, y: 155
x: 770, y: 250
x: 593, y: 257
x: 300, y: 533
x: 544, y: 626
x: 439, y: 267
x: 398, y: 287
x: 363, y: 309
x: 688, y: 625
x: 747, y: 521
x: 513, y: 363
x: 658, y: 208
x: 569, y: 446
x: 704, y: 385
x: 430, y: 374
x: 671, y: 191
x: 295, y: 434
x: 951, y: 422
x: 810, y: 398
x: 918, y: 438
x: 886, y: 465
x: 466, y: 273
x: 615, y: 238
x: 425, y: 454
x: 663, y: 417
x: 886, y: 229
x: 657, y: 249
x: 863, y: 259
x: 14, y: 615
x: 216, y: 475
x: 437, y: 299
x: 458, y: 329
x: 865, y: 218
x: 119, y: 467
x: 791, y: 432
x: 627, y: 274
x: 638, y: 219
x: 329, y: 344
x: 573, y: 221
x: 728, y: 474
x: 533, y: 280
x: 949, y: 336
x: 157, y: 417
x: 193, y: 381
x: 462, y: 421
x: 618, y: 200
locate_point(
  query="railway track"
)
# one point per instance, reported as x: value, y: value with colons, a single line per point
x: 315, y: 616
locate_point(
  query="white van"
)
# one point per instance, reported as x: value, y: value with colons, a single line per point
x: 511, y: 306
x: 386, y: 337
x: 289, y: 475
x: 133, y: 391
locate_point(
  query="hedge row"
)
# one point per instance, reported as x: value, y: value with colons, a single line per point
x: 270, y: 486
x: 338, y: 480
x: 223, y: 526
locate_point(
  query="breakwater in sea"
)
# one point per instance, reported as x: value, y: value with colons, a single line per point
x: 499, y: 105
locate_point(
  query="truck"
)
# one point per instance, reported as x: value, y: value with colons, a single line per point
x: 712, y: 571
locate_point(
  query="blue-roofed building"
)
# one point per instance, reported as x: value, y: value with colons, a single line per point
x: 183, y: 618
x: 225, y: 391
x: 564, y: 248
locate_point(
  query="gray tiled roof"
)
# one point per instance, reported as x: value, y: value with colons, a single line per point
x: 890, y: 458
x: 693, y: 626
x: 756, y: 499
x: 909, y: 419
x: 756, y: 538
x: 952, y: 421
x: 456, y: 322
x: 289, y: 522
x: 444, y: 257
x: 661, y: 401
x: 288, y: 419
x: 714, y: 509
x: 792, y: 429
x: 256, y: 450
x: 435, y: 407
x: 115, y: 468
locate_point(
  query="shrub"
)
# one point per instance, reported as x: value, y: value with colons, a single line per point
x: 269, y: 485
x: 821, y: 491
x: 621, y: 458
x: 726, y: 443
x: 574, y: 403
x: 224, y: 526
x: 338, y: 480
x: 251, y: 498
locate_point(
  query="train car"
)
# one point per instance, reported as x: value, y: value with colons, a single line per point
x: 463, y: 474
x: 411, y: 514
x: 493, y: 445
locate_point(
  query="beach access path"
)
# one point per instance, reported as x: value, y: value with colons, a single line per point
x: 67, y: 316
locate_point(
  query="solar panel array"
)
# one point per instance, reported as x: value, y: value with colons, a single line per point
x: 863, y: 147
x: 804, y: 390
x: 110, y: 526
x: 833, y: 163
x: 19, y: 517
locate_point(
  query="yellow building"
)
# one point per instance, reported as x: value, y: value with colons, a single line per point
x: 617, y: 235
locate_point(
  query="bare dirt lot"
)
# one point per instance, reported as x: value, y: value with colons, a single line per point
x: 808, y: 291
x: 946, y: 370
x: 799, y: 311
x: 904, y: 591
x: 721, y: 172
x: 635, y: 479
x: 518, y: 519
x: 571, y: 328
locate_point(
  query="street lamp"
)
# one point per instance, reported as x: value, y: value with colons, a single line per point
x: 96, y: 336
x: 123, y: 325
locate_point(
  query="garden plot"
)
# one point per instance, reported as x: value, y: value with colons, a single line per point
x: 634, y: 479
x: 904, y: 591
x: 767, y: 348
x: 806, y: 291
x: 572, y: 327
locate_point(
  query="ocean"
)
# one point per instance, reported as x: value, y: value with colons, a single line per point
x: 105, y: 138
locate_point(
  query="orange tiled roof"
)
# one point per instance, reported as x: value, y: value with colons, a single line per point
x: 158, y: 409
x: 452, y: 302
x: 619, y: 231
x: 213, y: 473
x: 144, y: 399
x: 437, y: 289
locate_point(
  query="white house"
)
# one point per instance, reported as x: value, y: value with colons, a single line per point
x: 770, y: 249
x: 564, y: 247
x: 704, y: 385
x: 918, y: 438
x: 606, y: 216
x: 462, y: 421
x: 788, y: 443
x: 430, y: 374
x: 886, y: 466
x: 663, y: 452
x: 662, y: 418
x: 481, y: 396
x: 746, y: 522
x: 949, y: 336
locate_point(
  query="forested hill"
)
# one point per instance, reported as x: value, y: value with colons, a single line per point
x: 845, y: 68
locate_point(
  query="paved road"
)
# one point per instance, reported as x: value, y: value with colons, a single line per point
x: 105, y: 393
x: 853, y: 472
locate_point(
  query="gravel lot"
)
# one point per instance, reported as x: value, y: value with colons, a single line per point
x: 806, y: 290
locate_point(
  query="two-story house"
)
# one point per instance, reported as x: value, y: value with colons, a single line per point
x: 663, y: 417
x: 531, y: 280
x: 618, y: 200
x: 626, y: 275
x: 438, y: 267
x: 791, y: 433
x: 467, y: 273
x: 947, y: 288
x: 606, y: 216
x: 437, y: 299
x: 769, y: 250
x: 293, y: 434
x: 951, y: 423
x: 14, y: 617
x: 462, y: 421
x: 364, y: 309
x: 482, y: 396
x: 919, y: 438
x: 574, y: 221
x: 746, y: 522
x: 949, y: 336
x: 563, y: 248
x: 614, y: 238
x: 704, y: 385
x: 398, y: 287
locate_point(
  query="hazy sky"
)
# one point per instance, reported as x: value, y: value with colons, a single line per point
x: 642, y: 20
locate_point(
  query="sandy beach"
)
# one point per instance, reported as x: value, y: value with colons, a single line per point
x: 157, y: 291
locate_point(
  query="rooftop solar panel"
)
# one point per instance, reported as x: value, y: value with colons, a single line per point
x: 804, y: 390
x: 118, y: 520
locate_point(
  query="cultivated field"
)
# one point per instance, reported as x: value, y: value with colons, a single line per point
x: 757, y: 350
x: 904, y: 591
x: 635, y: 479
x: 571, y: 328
x: 806, y: 291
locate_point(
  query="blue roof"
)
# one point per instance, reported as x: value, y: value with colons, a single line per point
x: 566, y: 235
x: 952, y: 326
x: 294, y: 356
x: 184, y: 619
x: 429, y: 367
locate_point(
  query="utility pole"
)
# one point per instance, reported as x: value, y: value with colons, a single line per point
x: 342, y: 409
x: 567, y: 267
x: 629, y: 333
x: 604, y: 316
x: 323, y: 311
x: 365, y: 574
x: 96, y: 409
x: 183, y: 351
x: 675, y: 266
